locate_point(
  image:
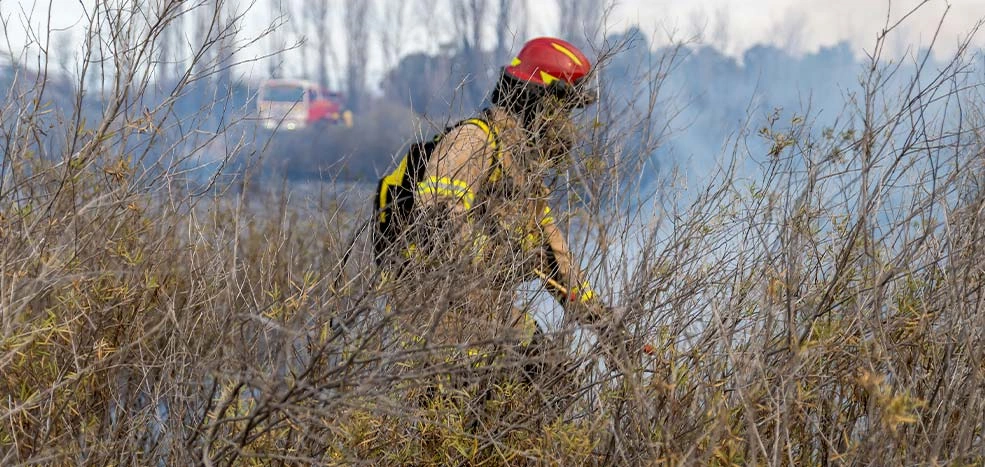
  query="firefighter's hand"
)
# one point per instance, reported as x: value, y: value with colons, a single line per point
x: 582, y: 300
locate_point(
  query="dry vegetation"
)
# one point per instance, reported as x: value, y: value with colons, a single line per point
x: 827, y: 311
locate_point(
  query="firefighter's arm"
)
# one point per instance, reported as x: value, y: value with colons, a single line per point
x: 453, y: 176
x: 567, y: 282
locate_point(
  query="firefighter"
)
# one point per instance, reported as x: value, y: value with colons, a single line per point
x: 482, y: 220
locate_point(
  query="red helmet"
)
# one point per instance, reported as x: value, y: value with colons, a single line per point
x: 546, y: 60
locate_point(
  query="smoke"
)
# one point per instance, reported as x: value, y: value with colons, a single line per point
x: 713, y: 105
x: 801, y: 27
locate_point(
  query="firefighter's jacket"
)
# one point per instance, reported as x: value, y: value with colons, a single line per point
x: 484, y: 196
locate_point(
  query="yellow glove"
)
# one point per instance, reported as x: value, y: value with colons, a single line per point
x: 581, y: 293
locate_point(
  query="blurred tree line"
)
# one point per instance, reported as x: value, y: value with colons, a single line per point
x: 706, y: 97
x: 709, y: 98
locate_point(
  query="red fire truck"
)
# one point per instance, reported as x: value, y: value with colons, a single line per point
x: 293, y: 104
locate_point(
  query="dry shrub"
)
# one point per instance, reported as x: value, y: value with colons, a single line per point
x: 827, y: 311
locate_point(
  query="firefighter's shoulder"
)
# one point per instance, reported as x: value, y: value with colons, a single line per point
x: 465, y: 144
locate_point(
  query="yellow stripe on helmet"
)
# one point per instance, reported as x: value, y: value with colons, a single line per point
x: 564, y: 50
x: 548, y: 79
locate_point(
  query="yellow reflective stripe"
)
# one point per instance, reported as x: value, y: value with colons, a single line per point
x: 547, y: 219
x: 530, y: 241
x: 515, y: 62
x: 444, y: 186
x: 450, y: 181
x: 485, y: 128
x: 445, y: 182
x: 548, y: 79
x: 497, y: 172
x: 394, y: 179
x: 428, y: 190
x: 564, y: 50
x: 479, y: 247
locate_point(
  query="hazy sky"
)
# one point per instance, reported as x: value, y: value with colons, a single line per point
x: 797, y: 26
x: 804, y: 25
